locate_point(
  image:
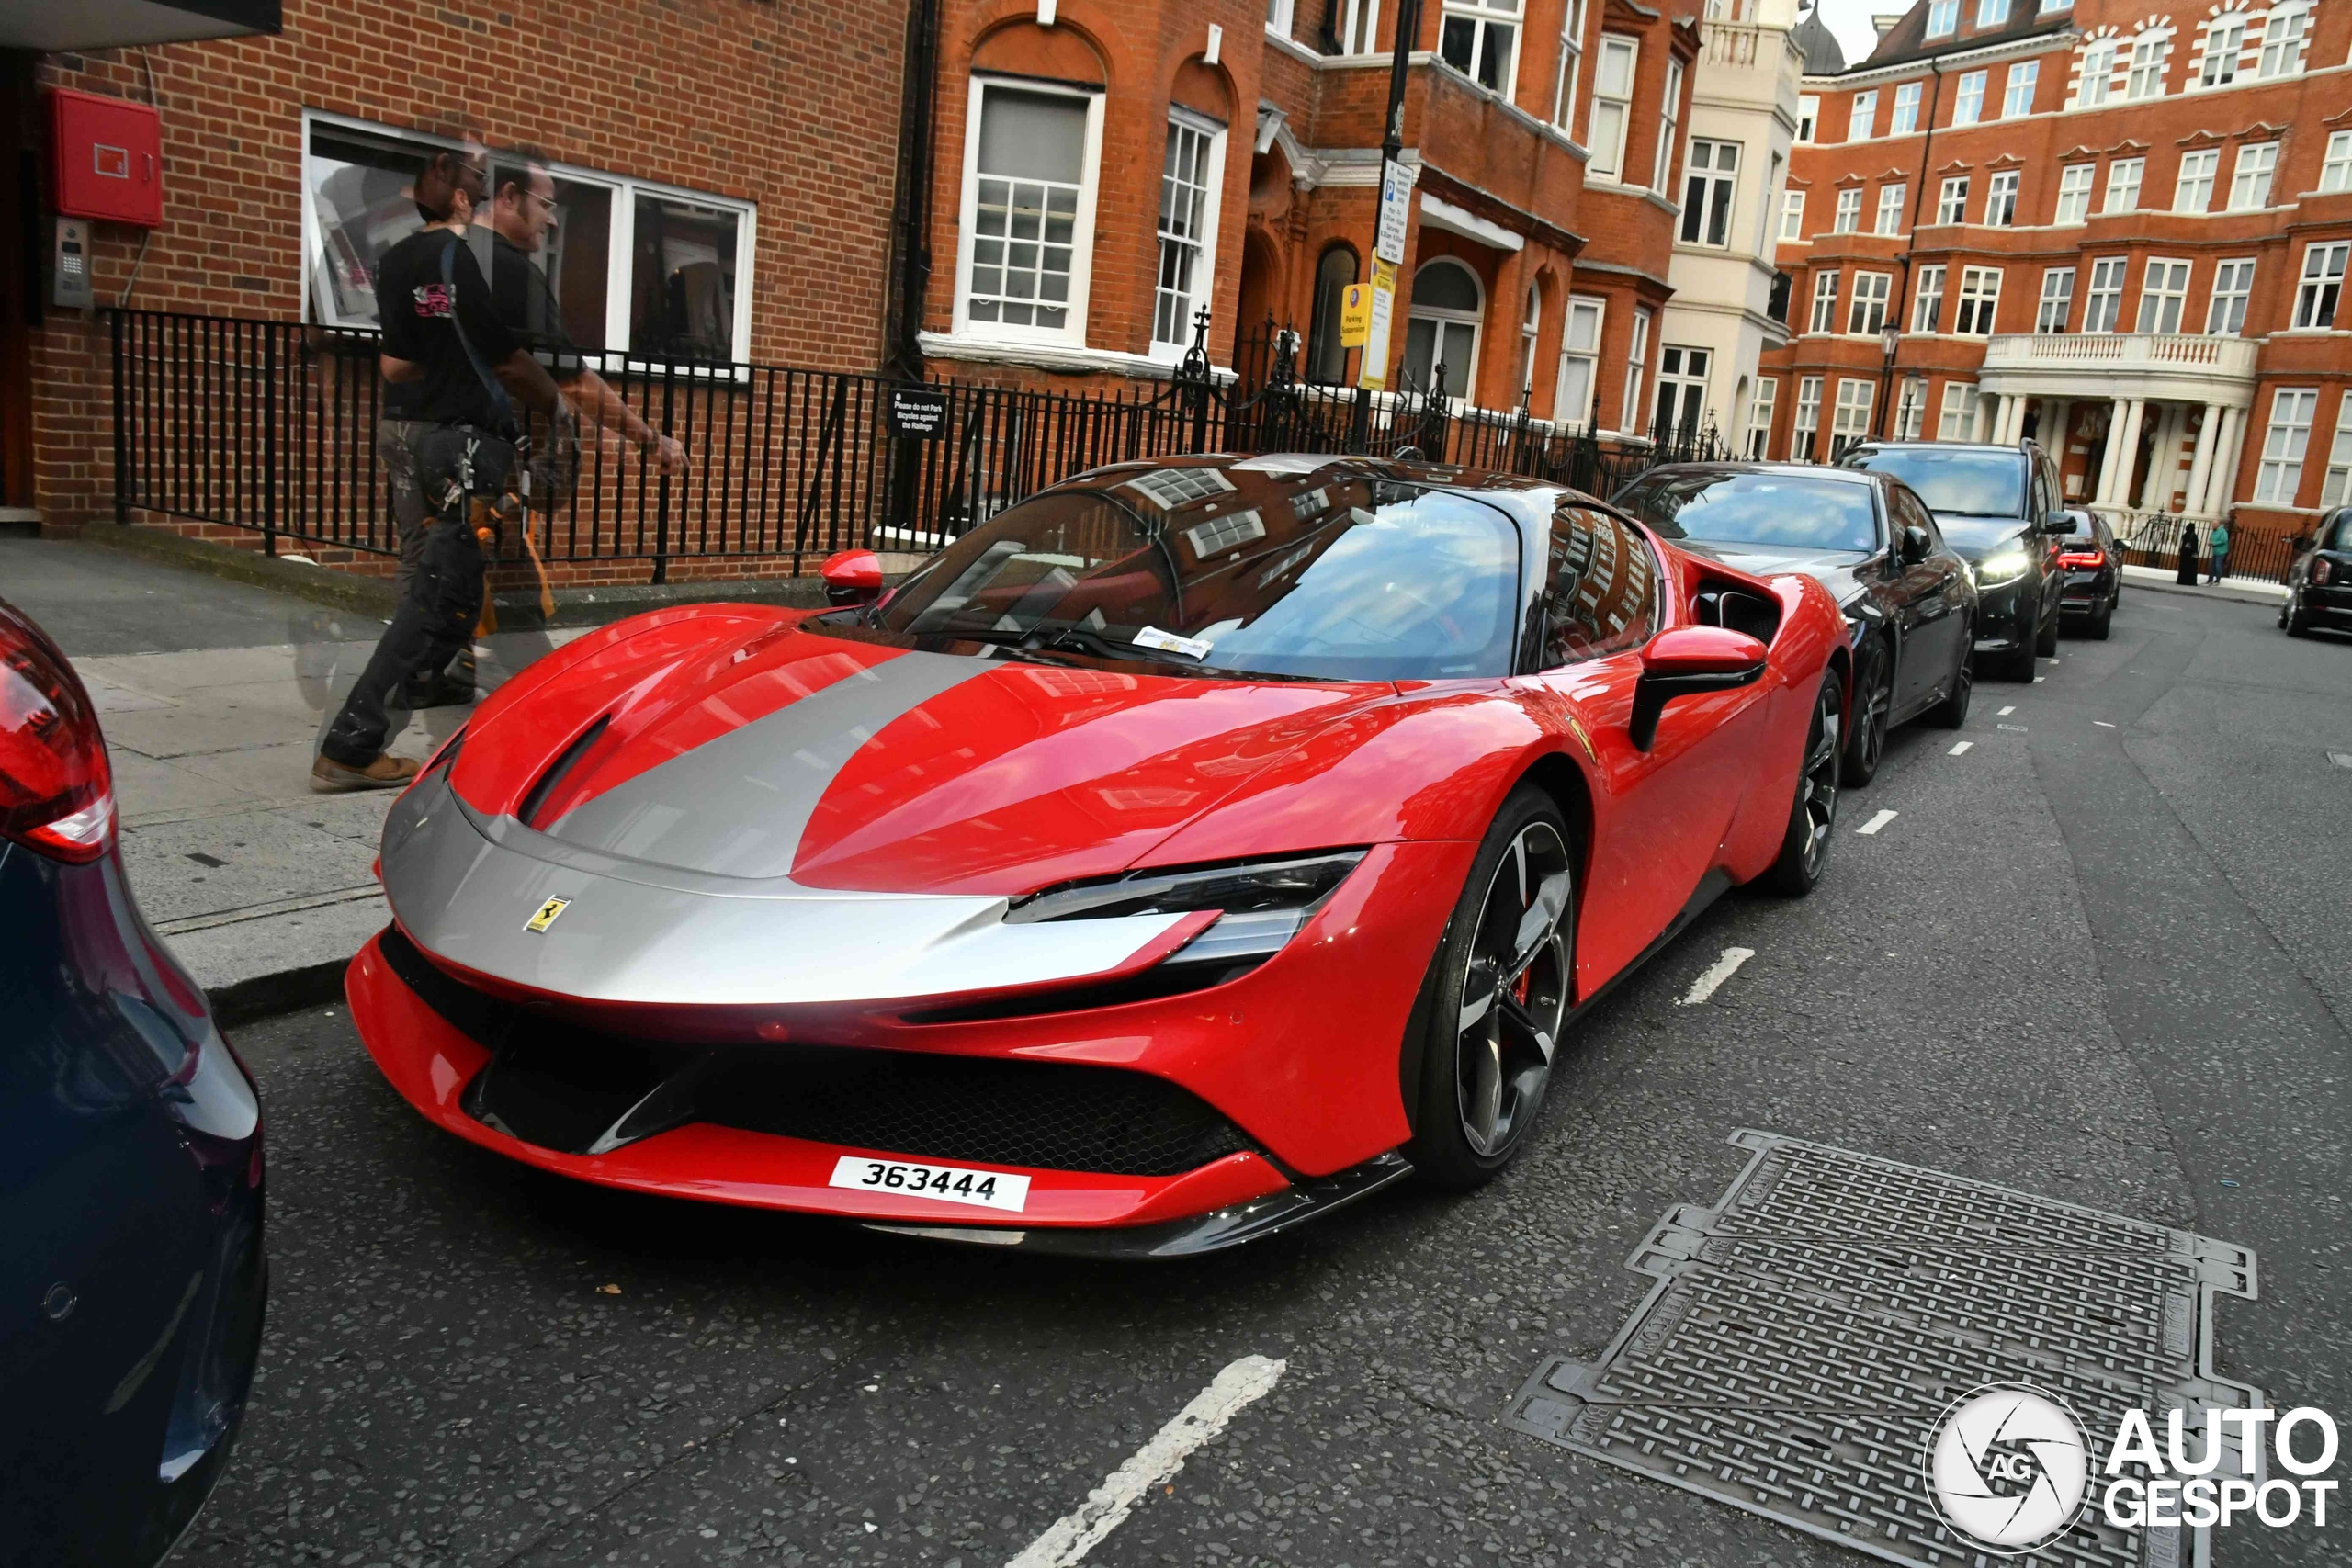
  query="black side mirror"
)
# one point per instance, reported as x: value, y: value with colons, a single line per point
x: 1914, y: 545
x: 1684, y: 662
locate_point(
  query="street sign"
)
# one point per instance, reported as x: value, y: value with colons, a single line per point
x: 1355, y: 315
x: 1396, y: 196
x: 1374, y: 373
x: 917, y: 413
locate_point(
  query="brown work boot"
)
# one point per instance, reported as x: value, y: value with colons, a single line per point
x: 386, y: 772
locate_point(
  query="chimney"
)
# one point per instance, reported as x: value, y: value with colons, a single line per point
x: 1884, y: 21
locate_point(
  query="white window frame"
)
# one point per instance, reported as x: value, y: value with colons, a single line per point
x: 1851, y: 422
x: 2123, y: 178
x: 1669, y: 130
x: 1927, y: 301
x: 1531, y: 327
x: 1910, y: 409
x: 2233, y: 287
x: 1951, y: 200
x: 2339, y: 480
x: 1279, y: 17
x: 1866, y: 309
x: 2096, y: 83
x: 2335, y: 169
x: 1447, y: 315
x: 1637, y: 357
x: 2251, y: 175
x: 1904, y: 119
x: 2001, y: 199
x: 2017, y: 89
x: 1824, y: 316
x: 1808, y: 117
x: 2057, y: 302
x: 2192, y: 189
x: 1360, y: 28
x: 1761, y: 399
x: 1848, y: 216
x: 1862, y: 119
x: 1889, y: 220
x: 1968, y: 103
x: 2163, y: 290
x: 1992, y: 13
x: 2286, y: 441
x: 1594, y: 309
x: 1710, y: 194
x: 2224, y: 43
x: 2103, y: 301
x: 1081, y: 272
x: 1804, y: 426
x: 619, y: 280
x: 1792, y: 215
x: 2151, y: 51
x: 1609, y: 153
x: 2319, y: 285
x: 1979, y: 301
x: 1485, y: 18
x: 1571, y: 67
x: 1683, y: 380
x: 1203, y: 289
x: 2075, y: 184
x: 2049, y: 6
x: 2286, y: 34
x: 1943, y: 18
x: 1956, y: 411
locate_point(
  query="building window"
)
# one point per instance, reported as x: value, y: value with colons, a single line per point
x: 1707, y: 189
x: 1669, y: 123
x: 1681, y: 390
x: 2282, y: 40
x: 2147, y: 77
x: 2336, y: 173
x: 1890, y: 209
x: 1564, y: 83
x: 1868, y: 311
x: 1760, y: 416
x: 2163, y: 290
x: 1278, y: 16
x: 2001, y: 199
x: 2193, y: 191
x: 2057, y: 300
x: 1906, y: 110
x: 1806, y: 426
x: 2224, y: 41
x: 2104, y: 303
x: 1969, y: 106
x: 2282, y: 445
x: 1850, y: 211
x: 1865, y: 112
x: 1852, y: 421
x: 1637, y: 355
x: 1825, y: 302
x: 2017, y: 96
x: 1188, y: 187
x: 2049, y: 6
x: 1572, y: 399
x: 1980, y: 292
x: 1028, y: 196
x: 1808, y: 113
x: 2323, y: 282
x: 1441, y: 333
x: 1360, y: 28
x: 1793, y: 215
x: 2098, y: 74
x: 1992, y: 13
x: 2250, y: 180
x: 2075, y: 192
x: 1613, y: 104
x: 2124, y: 184
x: 1326, y: 357
x: 1957, y: 422
x: 1927, y: 300
x: 1530, y: 324
x: 1952, y: 203
x: 2232, y: 283
x: 2339, y: 458
x: 1480, y: 38
x: 1943, y: 18
x: 1911, y: 409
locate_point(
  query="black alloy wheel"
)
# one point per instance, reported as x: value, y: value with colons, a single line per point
x: 1812, y: 817
x: 1501, y: 999
x: 1874, y: 704
x: 1952, y: 712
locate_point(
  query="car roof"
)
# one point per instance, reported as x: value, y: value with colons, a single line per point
x: 2014, y: 450
x: 1795, y: 470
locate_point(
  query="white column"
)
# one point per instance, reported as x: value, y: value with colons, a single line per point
x: 2222, y: 487
x: 2164, y: 460
x: 2128, y: 452
x: 2104, y: 493
x: 2201, y: 466
x: 1985, y: 407
x: 2013, y: 423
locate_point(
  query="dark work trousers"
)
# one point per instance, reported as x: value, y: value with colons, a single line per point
x: 396, y: 443
x: 437, y: 617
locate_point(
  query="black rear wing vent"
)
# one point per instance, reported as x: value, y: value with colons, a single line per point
x: 536, y: 802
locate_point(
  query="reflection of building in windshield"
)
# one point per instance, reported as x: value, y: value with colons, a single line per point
x: 1603, y: 571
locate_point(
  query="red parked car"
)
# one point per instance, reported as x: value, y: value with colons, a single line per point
x: 1189, y: 849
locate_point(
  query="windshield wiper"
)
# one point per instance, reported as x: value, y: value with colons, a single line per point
x: 1087, y: 639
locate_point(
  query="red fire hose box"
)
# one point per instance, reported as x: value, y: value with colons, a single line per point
x: 108, y: 158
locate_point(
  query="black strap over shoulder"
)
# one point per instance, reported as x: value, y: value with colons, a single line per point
x: 500, y: 404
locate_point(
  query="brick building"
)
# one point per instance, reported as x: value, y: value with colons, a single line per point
x: 2115, y: 228
x: 1226, y: 156
x: 725, y: 180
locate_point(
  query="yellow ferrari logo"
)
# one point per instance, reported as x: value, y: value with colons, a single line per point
x: 547, y: 913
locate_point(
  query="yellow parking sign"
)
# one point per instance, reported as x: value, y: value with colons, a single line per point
x: 1355, y: 315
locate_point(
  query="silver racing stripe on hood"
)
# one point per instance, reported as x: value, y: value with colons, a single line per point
x: 737, y: 805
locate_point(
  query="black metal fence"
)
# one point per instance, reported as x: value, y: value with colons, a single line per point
x: 2153, y: 538
x: 271, y: 425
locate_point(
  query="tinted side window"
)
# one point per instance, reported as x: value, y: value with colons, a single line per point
x: 1909, y: 513
x: 1600, y: 587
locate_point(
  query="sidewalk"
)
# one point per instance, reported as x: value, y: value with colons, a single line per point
x: 2245, y: 590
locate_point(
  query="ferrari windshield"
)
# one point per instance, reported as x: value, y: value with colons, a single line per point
x: 1356, y: 578
x: 1790, y: 512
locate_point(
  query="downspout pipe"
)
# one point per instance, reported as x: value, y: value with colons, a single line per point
x: 918, y: 131
x: 1918, y: 196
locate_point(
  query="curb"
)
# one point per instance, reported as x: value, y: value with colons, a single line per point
x: 265, y: 996
x: 2272, y: 597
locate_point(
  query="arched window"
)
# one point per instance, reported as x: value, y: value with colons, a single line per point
x: 1530, y: 321
x: 1443, y: 327
x: 1327, y: 359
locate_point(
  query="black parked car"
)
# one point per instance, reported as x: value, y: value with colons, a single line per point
x: 1999, y: 507
x: 1909, y: 602
x: 2091, y: 568
x: 2319, y: 586
x: 131, y: 1278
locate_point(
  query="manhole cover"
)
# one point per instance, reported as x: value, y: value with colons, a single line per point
x: 1806, y: 1333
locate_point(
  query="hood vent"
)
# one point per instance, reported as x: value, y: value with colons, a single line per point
x: 535, y: 802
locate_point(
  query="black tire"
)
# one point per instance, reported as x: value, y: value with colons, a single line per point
x: 2103, y: 622
x: 1874, y: 704
x: 1485, y: 1061
x: 2045, y: 636
x: 1813, y: 813
x: 1952, y: 712
x: 2295, y: 620
x: 2017, y: 663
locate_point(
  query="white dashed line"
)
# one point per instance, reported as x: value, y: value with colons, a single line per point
x: 1871, y: 827
x: 1106, y: 1507
x: 2006, y: 711
x: 2012, y: 728
x: 1722, y: 969
x: 1960, y: 750
x: 2038, y: 679
x: 2102, y: 723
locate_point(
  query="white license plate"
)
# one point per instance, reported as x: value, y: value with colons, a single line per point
x: 945, y: 1183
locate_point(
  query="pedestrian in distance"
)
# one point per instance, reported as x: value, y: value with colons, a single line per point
x: 2187, y: 575
x: 2219, y: 554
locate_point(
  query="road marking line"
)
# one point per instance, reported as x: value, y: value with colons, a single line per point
x: 1871, y: 827
x: 2102, y: 723
x: 1722, y: 969
x: 1078, y: 1532
x: 2006, y: 711
x: 1960, y: 750
x: 2038, y: 679
x: 2012, y: 728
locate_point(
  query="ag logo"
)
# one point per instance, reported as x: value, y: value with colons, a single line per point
x: 538, y: 923
x: 2008, y: 1468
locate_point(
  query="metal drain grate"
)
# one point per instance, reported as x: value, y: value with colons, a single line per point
x: 1806, y: 1333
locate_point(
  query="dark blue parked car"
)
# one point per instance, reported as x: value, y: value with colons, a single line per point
x: 131, y: 1278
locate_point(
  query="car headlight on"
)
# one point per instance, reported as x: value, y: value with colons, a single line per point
x: 1264, y: 903
x: 2002, y: 565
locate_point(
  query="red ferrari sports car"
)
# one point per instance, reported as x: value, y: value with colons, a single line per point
x: 1191, y: 848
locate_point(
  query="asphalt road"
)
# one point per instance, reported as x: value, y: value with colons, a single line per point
x: 2100, y: 955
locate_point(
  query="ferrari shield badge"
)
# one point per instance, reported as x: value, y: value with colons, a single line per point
x: 546, y: 914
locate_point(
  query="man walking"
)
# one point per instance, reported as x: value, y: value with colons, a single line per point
x: 464, y: 371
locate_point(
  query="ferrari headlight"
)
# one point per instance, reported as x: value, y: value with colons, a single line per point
x: 2002, y: 565
x: 1264, y: 903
